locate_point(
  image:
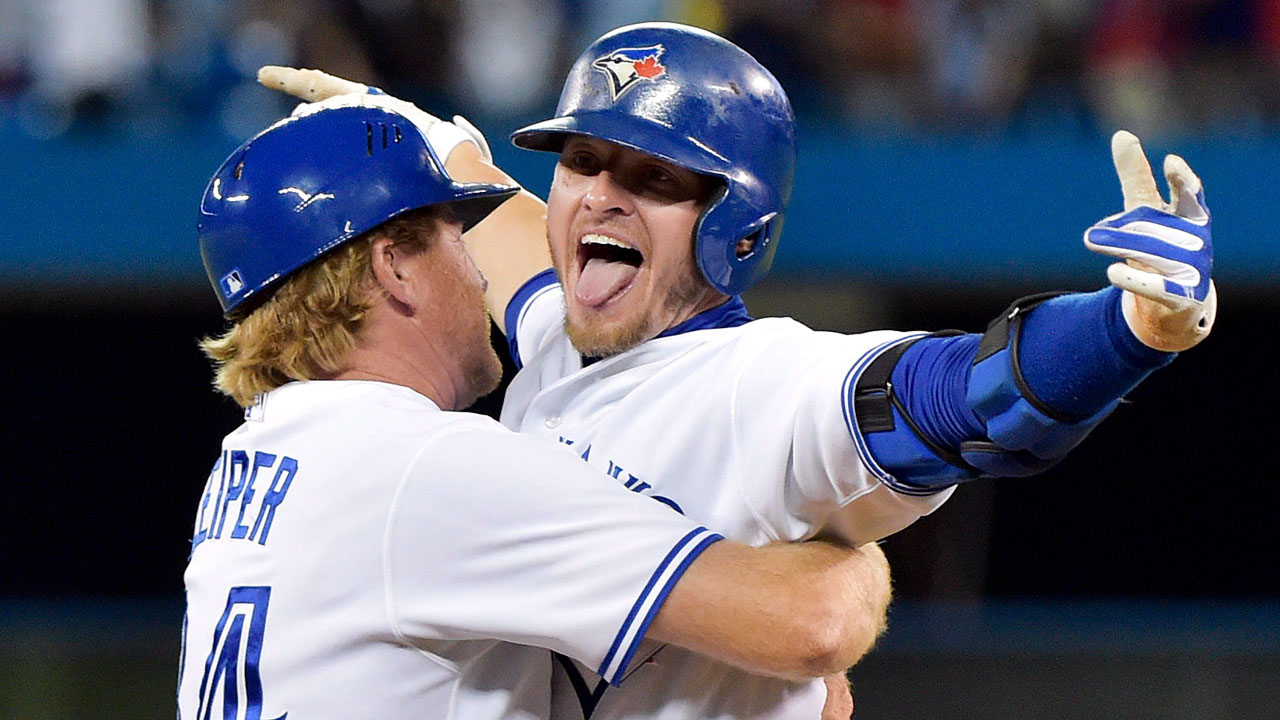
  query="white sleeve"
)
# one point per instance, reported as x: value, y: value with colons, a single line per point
x: 794, y: 395
x: 495, y: 535
x: 533, y: 314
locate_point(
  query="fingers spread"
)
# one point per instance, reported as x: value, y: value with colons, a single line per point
x: 1136, y: 180
x: 1184, y: 187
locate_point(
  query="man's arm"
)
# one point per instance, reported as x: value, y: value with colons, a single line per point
x: 878, y: 441
x: 1017, y: 399
x: 790, y: 610
x: 597, y: 569
x: 510, y: 245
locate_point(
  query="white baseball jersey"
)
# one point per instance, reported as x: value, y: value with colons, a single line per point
x: 359, y: 553
x: 743, y: 426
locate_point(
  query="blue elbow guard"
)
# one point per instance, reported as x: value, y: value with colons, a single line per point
x: 911, y: 462
x: 1024, y: 436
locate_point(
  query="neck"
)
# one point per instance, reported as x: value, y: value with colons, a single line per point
x: 712, y: 300
x: 391, y: 355
x: 709, y: 301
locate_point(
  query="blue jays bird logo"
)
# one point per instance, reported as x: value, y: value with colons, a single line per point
x: 628, y: 66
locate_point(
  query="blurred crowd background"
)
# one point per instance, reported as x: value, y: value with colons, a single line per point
x: 951, y: 152
x: 1158, y: 67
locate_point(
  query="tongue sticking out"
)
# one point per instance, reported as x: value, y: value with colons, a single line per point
x: 602, y: 279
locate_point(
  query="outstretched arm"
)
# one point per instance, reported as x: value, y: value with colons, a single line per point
x: 1014, y: 401
x: 882, y: 425
x: 509, y: 246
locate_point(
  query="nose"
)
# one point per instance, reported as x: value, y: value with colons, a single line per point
x: 606, y: 195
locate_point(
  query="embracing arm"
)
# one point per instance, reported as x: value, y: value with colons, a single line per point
x: 790, y: 610
x: 598, y: 568
x: 510, y: 245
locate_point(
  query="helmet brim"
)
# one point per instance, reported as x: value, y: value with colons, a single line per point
x: 474, y: 201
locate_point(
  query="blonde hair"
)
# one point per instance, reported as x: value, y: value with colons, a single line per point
x: 308, y: 325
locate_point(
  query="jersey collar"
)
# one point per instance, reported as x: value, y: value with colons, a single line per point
x: 728, y: 314
x: 725, y: 315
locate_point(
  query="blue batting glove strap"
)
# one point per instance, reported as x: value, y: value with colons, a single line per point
x: 1178, y: 248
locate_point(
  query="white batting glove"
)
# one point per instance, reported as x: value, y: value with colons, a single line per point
x: 1170, y: 302
x: 323, y: 90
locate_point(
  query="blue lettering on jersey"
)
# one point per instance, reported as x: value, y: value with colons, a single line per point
x: 202, y: 531
x: 239, y: 467
x: 632, y: 483
x: 260, y: 460
x: 222, y: 486
x: 232, y: 684
x: 275, y: 495
x: 236, y: 474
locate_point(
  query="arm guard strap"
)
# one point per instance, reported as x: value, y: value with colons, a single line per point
x: 1015, y: 433
x: 1024, y: 435
x: 912, y: 462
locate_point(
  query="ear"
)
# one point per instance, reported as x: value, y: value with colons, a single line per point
x: 390, y: 270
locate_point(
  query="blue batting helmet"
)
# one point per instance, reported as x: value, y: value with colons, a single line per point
x: 310, y: 183
x: 692, y: 98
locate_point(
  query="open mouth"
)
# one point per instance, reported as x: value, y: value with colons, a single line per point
x: 608, y: 267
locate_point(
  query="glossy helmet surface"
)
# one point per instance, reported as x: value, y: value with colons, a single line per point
x: 692, y: 98
x: 310, y: 183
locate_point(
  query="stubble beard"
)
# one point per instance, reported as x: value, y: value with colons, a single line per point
x: 483, y: 371
x: 480, y: 367
x: 483, y: 375
x: 593, y: 338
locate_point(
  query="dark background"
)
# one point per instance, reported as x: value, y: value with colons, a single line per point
x: 112, y: 426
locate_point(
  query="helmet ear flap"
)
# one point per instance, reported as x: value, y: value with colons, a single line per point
x: 732, y: 267
x: 756, y: 237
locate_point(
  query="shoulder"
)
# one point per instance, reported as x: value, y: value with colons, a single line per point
x: 542, y: 285
x: 785, y: 334
x: 534, y: 312
x: 478, y: 447
x: 784, y: 339
x: 720, y: 339
x: 776, y: 353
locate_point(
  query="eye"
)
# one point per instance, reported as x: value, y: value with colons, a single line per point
x: 659, y: 176
x: 581, y: 161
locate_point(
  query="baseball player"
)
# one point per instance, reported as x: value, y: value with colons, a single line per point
x: 360, y: 550
x: 676, y: 155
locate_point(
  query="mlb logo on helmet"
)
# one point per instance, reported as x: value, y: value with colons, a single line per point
x: 628, y: 66
x: 231, y: 283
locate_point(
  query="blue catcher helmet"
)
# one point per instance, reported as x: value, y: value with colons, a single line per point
x: 309, y: 183
x: 692, y: 98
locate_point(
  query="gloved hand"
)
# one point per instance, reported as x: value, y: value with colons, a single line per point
x: 1169, y: 302
x: 323, y: 90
